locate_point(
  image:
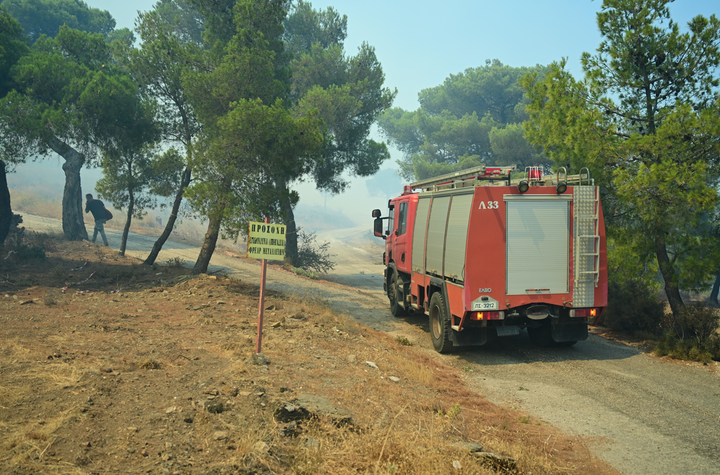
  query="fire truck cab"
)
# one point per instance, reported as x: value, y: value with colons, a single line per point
x: 485, y: 256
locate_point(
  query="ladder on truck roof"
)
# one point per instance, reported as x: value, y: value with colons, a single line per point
x: 462, y: 178
x: 587, y: 244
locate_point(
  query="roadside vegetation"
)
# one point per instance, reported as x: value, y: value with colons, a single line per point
x: 635, y: 309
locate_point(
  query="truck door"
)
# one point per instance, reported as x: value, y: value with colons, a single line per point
x: 399, y: 237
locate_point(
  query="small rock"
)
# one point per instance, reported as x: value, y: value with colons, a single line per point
x: 306, y: 407
x: 496, y: 461
x: 372, y: 365
x: 457, y: 465
x: 220, y: 435
x: 290, y: 430
x: 311, y: 443
x: 259, y: 359
x: 171, y: 409
x: 261, y: 447
x: 352, y: 359
x: 471, y: 447
x: 394, y: 379
x: 188, y: 420
x: 214, y: 407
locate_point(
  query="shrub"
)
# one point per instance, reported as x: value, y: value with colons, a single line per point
x: 312, y: 255
x: 693, y: 336
x: 677, y: 348
x: 176, y: 262
x: 633, y: 306
x: 698, y: 322
x: 305, y: 273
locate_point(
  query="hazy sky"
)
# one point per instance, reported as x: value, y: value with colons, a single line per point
x: 420, y: 42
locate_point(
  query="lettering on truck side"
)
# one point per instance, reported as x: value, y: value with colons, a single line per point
x: 489, y: 205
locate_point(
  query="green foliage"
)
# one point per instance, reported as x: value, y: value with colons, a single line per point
x: 177, y: 262
x: 265, y: 129
x: 624, y: 264
x: 13, y: 46
x: 698, y: 322
x: 472, y: 118
x: 403, y: 340
x: 348, y: 94
x: 68, y: 90
x: 26, y: 252
x: 674, y: 347
x: 255, y: 141
x: 180, y: 16
x: 305, y: 28
x: 633, y: 306
x: 314, y: 255
x: 645, y: 121
x: 310, y: 274
x: 45, y: 17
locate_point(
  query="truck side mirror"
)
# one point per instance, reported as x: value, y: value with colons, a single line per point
x: 378, y: 228
x: 376, y: 213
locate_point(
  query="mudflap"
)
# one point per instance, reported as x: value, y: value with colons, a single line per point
x: 562, y: 332
x: 469, y: 337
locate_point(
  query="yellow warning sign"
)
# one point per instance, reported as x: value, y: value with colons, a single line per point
x: 266, y: 241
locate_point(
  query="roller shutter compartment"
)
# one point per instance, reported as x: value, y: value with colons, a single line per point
x: 456, y: 240
x: 418, y: 241
x: 537, y: 240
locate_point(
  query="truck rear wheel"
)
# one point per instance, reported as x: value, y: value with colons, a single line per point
x: 439, y: 324
x: 395, y: 295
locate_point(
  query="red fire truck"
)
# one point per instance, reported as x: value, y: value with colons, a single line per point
x: 485, y: 256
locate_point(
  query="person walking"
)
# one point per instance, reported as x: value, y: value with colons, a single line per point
x: 97, y: 208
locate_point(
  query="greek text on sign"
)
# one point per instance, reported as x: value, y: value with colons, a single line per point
x: 266, y: 241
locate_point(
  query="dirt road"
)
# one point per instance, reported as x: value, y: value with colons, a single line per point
x: 643, y: 415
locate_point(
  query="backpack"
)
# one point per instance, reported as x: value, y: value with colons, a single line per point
x: 109, y: 214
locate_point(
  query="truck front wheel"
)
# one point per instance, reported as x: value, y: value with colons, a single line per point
x: 439, y: 324
x: 395, y: 296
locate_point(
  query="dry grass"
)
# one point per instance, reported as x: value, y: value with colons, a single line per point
x: 127, y: 372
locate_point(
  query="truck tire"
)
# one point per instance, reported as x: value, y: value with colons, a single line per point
x: 394, y: 295
x: 439, y: 324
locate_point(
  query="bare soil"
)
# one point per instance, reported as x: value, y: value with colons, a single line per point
x: 108, y: 366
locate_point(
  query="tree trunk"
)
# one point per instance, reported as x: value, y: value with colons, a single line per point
x: 72, y: 209
x: 715, y: 289
x: 672, y: 290
x: 291, y: 237
x: 126, y: 229
x: 6, y: 213
x: 185, y: 181
x: 211, y: 237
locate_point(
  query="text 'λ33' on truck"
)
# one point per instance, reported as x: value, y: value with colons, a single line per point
x: 485, y: 255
